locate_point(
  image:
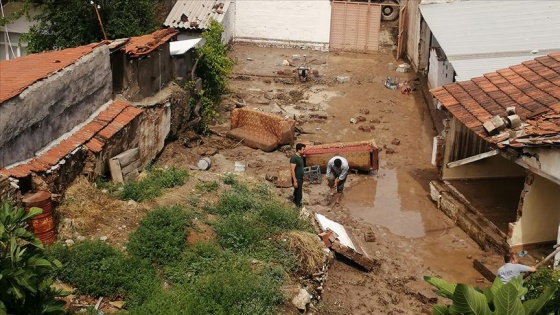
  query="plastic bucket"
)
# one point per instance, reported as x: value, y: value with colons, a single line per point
x: 204, y: 163
x: 42, y: 225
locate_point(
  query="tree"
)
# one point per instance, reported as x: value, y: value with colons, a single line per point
x: 25, y: 269
x: 71, y: 23
x: 499, y: 299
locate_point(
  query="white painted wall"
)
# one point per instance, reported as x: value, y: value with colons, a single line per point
x: 440, y: 72
x: 292, y: 23
x: 228, y: 22
x: 543, y: 160
x: 540, y: 213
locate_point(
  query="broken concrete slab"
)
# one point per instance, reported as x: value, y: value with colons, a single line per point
x: 335, y: 237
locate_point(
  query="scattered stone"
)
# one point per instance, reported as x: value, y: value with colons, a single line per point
x: 301, y: 299
x: 389, y: 150
x: 117, y: 304
x: 132, y: 203
x: 353, y: 120
x: 316, y: 73
x: 342, y: 79
x: 369, y: 237
x: 285, y: 62
x: 81, y: 238
x: 249, y: 59
x: 396, y: 141
x: 296, y: 57
x: 375, y: 120
x: 365, y: 128
x: 469, y: 256
x: 361, y: 118
x: 103, y: 238
x: 364, y: 111
x: 69, y: 242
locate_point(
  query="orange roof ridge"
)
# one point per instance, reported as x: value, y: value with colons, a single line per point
x: 93, y: 135
x: 142, y: 45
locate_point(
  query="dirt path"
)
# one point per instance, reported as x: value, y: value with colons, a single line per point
x: 413, y: 238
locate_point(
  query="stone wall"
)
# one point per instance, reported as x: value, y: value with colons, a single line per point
x: 53, y: 106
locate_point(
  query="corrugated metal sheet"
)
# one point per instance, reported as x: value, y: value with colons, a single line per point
x: 355, y: 26
x: 196, y: 14
x: 182, y: 46
x: 494, y: 29
x: 479, y: 37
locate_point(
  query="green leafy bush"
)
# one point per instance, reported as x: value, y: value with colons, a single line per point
x: 238, y: 231
x: 539, y: 282
x: 205, y: 187
x: 499, y: 299
x: 98, y: 269
x: 152, y: 186
x: 161, y: 235
x: 25, y: 268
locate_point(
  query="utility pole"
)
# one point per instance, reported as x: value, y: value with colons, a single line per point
x: 96, y: 7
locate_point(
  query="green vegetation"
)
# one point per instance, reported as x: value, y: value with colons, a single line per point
x: 213, y: 67
x: 161, y: 235
x: 71, y: 23
x: 241, y: 271
x: 499, y: 299
x: 25, y: 268
x: 538, y: 282
x: 152, y: 186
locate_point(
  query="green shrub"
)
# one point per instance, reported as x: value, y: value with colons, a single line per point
x: 230, y: 179
x: 98, y: 269
x: 161, y: 235
x: 25, y: 268
x: 238, y: 231
x: 205, y: 187
x: 233, y: 203
x: 282, y: 216
x: 539, y: 282
x: 152, y: 186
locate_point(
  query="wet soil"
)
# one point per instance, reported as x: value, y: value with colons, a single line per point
x: 412, y: 237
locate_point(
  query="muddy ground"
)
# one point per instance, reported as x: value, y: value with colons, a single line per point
x: 413, y: 238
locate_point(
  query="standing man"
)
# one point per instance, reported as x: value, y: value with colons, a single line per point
x: 337, y: 169
x: 512, y: 268
x: 296, y: 168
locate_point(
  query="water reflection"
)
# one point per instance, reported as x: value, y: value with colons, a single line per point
x: 376, y: 200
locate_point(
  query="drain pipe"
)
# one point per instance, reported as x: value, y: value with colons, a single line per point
x: 557, y: 256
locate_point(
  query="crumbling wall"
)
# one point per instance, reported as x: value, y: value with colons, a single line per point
x: 538, y: 213
x: 147, y: 75
x: 53, y: 106
x: 153, y: 130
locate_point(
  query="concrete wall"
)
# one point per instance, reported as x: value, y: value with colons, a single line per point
x: 492, y: 167
x: 283, y: 22
x: 154, y: 128
x: 545, y: 160
x: 539, y: 213
x: 228, y: 22
x: 53, y: 106
x: 145, y: 76
x: 413, y: 31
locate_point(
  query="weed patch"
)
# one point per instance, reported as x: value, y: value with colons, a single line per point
x: 161, y: 235
x: 206, y: 187
x: 152, y: 186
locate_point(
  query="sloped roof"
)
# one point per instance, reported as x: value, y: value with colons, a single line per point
x: 532, y: 87
x: 490, y: 33
x: 19, y: 73
x: 196, y: 14
x: 145, y: 44
x: 93, y: 135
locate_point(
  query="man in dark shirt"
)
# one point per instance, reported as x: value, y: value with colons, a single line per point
x: 296, y: 168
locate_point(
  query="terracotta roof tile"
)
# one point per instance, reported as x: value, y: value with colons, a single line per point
x: 142, y: 45
x: 19, y: 73
x: 532, y: 87
x: 92, y: 135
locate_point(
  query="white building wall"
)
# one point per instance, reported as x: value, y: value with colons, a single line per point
x: 440, y: 73
x: 229, y: 24
x: 284, y: 22
x: 413, y: 32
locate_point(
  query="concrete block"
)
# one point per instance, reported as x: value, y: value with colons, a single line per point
x: 498, y: 123
x: 490, y: 128
x: 511, y: 110
x: 514, y: 121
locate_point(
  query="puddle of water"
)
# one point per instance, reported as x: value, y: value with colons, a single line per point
x: 377, y: 201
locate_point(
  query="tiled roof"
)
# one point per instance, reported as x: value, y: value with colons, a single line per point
x: 19, y: 73
x: 142, y: 45
x: 93, y: 135
x: 532, y: 87
x: 196, y: 14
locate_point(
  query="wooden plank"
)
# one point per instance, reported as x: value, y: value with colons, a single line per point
x: 484, y: 271
x: 116, y: 173
x: 473, y: 158
x: 128, y: 156
x: 133, y: 166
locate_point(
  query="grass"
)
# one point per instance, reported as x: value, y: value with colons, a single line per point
x: 258, y: 242
x: 152, y: 186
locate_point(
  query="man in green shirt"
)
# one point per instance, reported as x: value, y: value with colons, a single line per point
x: 296, y: 168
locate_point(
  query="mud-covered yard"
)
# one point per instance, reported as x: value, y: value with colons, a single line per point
x: 344, y: 99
